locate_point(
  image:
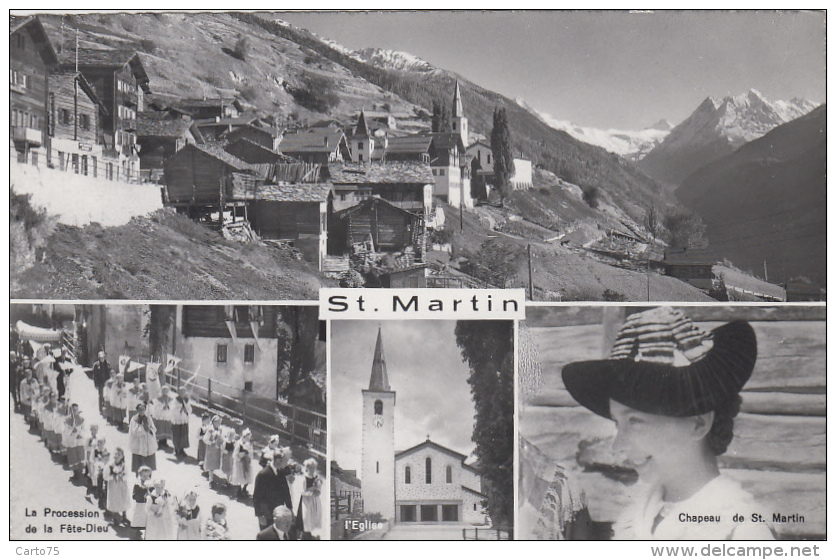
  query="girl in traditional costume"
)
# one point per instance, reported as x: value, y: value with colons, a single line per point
x: 189, y: 519
x: 230, y: 437
x: 160, y: 523
x: 205, y: 420
x: 142, y: 486
x: 673, y: 391
x: 214, y: 448
x: 90, y: 446
x: 242, y: 472
x: 216, y: 528
x: 119, y: 400
x: 101, y: 458
x: 118, y: 499
x: 309, y: 514
x: 108, y: 397
x: 269, y: 450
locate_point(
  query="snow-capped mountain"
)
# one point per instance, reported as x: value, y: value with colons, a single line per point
x: 716, y: 128
x: 393, y: 60
x: 631, y: 144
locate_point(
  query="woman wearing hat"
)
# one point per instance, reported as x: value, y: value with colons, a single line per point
x: 242, y: 472
x: 673, y: 392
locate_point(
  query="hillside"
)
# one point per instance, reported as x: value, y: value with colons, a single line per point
x: 162, y: 256
x: 715, y: 129
x: 767, y: 201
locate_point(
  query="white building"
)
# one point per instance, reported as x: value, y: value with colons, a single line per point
x: 427, y: 483
x: 481, y: 151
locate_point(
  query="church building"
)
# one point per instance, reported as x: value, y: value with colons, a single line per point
x: 427, y: 483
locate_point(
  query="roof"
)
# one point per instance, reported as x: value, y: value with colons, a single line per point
x: 379, y: 380
x: 63, y: 82
x: 106, y: 58
x: 367, y: 203
x: 446, y: 140
x: 703, y: 257
x: 346, y: 476
x: 395, y: 172
x: 306, y: 192
x: 275, y: 156
x: 480, y: 143
x: 445, y: 450
x: 362, y: 128
x: 458, y: 106
x: 241, y: 120
x: 218, y: 153
x: 203, y: 102
x: 17, y: 23
x: 312, y: 140
x: 472, y: 491
x: 733, y: 278
x: 160, y: 124
x: 415, y: 143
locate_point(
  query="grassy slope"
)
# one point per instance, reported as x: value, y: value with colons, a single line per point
x: 163, y: 256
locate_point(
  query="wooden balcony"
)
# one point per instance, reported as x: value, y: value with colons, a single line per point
x: 33, y: 136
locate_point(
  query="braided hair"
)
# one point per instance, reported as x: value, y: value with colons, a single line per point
x: 722, y: 430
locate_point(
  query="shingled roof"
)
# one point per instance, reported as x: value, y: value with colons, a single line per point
x: 311, y: 141
x: 218, y: 153
x: 412, y: 144
x: 106, y: 58
x: 18, y: 23
x: 160, y: 124
x: 306, y: 192
x: 396, y: 172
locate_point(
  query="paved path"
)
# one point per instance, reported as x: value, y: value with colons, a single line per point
x: 416, y: 532
x: 39, y: 481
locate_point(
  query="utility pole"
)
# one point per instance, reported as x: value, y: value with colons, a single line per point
x: 530, y: 276
x: 648, y: 277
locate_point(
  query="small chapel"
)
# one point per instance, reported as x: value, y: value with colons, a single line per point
x: 427, y: 483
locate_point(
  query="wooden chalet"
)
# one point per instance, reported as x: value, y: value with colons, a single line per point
x: 296, y: 214
x: 215, y: 129
x: 316, y: 145
x: 407, y: 185
x: 389, y: 227
x: 120, y: 81
x: 411, y: 276
x: 209, y: 108
x: 692, y: 266
x: 800, y: 290
x: 199, y: 179
x: 31, y: 60
x: 161, y: 135
x: 415, y: 147
x: 74, y: 128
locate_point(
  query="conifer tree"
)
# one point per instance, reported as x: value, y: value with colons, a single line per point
x: 503, y: 159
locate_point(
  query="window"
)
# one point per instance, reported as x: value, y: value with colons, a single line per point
x: 378, y: 407
x: 429, y: 513
x: 454, y: 127
x: 441, y: 172
x: 84, y: 168
x: 489, y: 158
x: 449, y: 474
x: 95, y: 167
x: 64, y: 116
x: 220, y: 353
x: 449, y: 512
x: 359, y: 145
x: 429, y: 471
x: 20, y: 41
x: 249, y: 353
x: 377, y: 467
x: 84, y: 121
x: 407, y: 475
x: 61, y: 164
x: 474, y: 506
x: 75, y: 163
x: 248, y: 386
x: 359, y: 157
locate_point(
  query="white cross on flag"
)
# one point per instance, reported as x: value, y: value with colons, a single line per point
x: 171, y: 362
x: 123, y: 363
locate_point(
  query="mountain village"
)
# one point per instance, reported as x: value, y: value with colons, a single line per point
x: 379, y: 199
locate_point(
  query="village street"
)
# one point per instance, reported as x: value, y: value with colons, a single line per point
x: 37, y: 481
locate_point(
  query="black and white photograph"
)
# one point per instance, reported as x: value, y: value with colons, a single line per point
x: 584, y: 156
x: 167, y: 422
x: 672, y: 423
x: 423, y: 436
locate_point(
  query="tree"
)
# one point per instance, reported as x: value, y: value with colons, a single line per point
x: 652, y: 220
x: 503, y: 159
x: 686, y: 230
x: 242, y: 47
x: 441, y: 117
x: 488, y: 348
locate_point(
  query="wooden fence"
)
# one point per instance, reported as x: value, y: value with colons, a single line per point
x: 778, y: 452
x: 488, y: 534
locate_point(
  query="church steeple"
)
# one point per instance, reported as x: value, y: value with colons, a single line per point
x: 458, y: 107
x: 379, y: 379
x: 362, y: 128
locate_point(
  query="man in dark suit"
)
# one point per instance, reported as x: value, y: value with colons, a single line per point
x: 281, y: 529
x: 101, y: 373
x: 271, y: 489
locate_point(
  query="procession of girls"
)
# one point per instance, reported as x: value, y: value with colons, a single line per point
x: 122, y: 480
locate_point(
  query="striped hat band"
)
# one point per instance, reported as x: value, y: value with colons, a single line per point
x: 661, y: 336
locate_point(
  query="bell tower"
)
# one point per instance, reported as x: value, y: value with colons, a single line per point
x: 458, y: 121
x: 377, y: 473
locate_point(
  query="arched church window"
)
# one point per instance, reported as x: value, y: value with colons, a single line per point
x: 378, y: 407
x: 407, y: 475
x: 449, y: 474
x: 429, y: 469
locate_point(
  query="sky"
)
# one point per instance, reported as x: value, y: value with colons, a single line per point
x: 426, y: 371
x: 603, y: 69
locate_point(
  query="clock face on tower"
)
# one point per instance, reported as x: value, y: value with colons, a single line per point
x: 377, y: 420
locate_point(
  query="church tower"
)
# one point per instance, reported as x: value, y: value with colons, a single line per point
x: 361, y: 141
x: 377, y: 473
x: 458, y: 120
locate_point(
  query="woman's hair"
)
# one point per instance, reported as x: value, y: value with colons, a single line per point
x: 722, y: 430
x: 218, y: 509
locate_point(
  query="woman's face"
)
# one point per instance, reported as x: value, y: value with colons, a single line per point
x: 657, y: 447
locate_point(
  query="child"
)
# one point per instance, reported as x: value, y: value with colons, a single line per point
x: 201, y: 434
x: 90, y: 448
x: 116, y: 474
x: 75, y: 442
x: 108, y: 397
x: 242, y: 463
x: 309, y: 515
x: 214, y: 448
x: 189, y: 520
x: 132, y: 400
x: 673, y: 392
x: 272, y: 445
x: 119, y: 401
x: 101, y: 457
x: 159, y: 526
x: 230, y: 436
x: 161, y: 413
x: 216, y: 528
x: 27, y: 395
x: 62, y: 413
x: 139, y: 515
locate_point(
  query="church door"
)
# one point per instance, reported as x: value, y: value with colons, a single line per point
x: 408, y: 514
x: 450, y: 512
